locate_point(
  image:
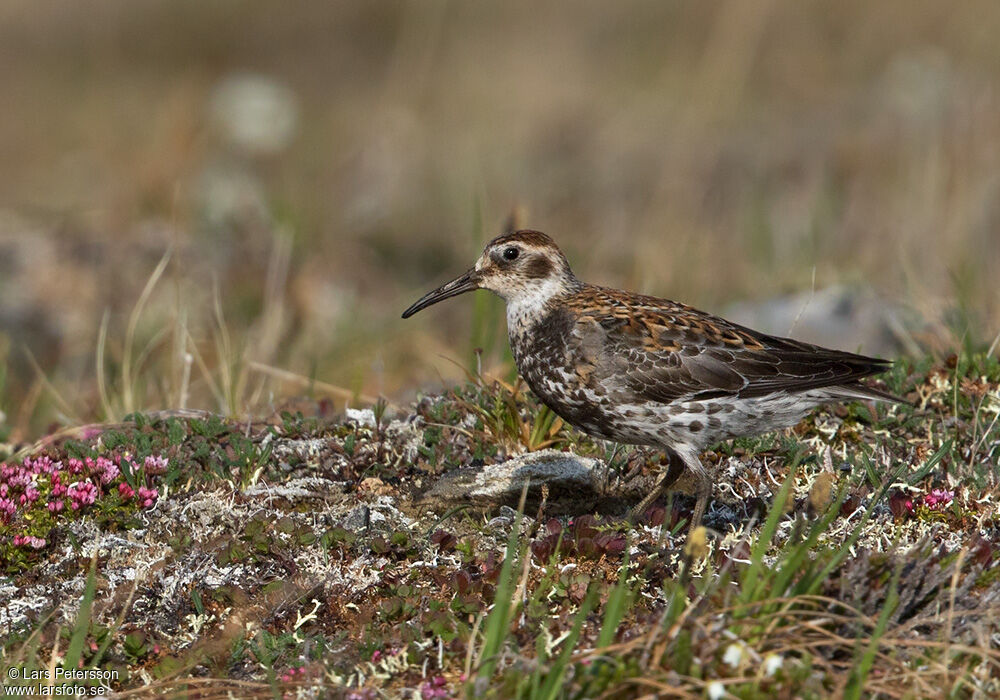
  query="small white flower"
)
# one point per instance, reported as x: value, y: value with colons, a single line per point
x: 772, y: 663
x: 733, y: 655
x: 716, y: 690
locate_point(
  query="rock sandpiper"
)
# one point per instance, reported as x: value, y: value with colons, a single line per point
x: 646, y: 371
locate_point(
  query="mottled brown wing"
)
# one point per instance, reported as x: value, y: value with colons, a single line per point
x: 661, y: 351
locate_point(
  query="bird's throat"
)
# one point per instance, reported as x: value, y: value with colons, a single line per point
x: 530, y: 304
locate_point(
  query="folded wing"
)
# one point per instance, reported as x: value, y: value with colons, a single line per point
x: 655, y: 350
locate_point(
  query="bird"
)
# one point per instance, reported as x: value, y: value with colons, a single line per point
x: 642, y: 370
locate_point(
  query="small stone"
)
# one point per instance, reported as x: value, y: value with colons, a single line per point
x: 360, y: 519
x: 364, y: 417
x: 575, y: 483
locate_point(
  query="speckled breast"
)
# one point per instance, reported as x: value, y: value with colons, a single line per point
x: 543, y: 361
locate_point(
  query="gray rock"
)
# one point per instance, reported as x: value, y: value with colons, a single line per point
x: 839, y: 317
x: 360, y: 519
x: 574, y: 483
x: 294, y: 490
x: 364, y: 417
x: 507, y: 517
x: 376, y: 515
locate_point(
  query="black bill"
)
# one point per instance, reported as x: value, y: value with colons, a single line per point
x: 465, y: 283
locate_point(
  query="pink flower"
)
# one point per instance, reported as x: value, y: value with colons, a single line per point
x: 107, y: 470
x: 147, y: 496
x: 41, y: 465
x: 155, y: 464
x: 55, y: 506
x: 48, y: 466
x: 29, y: 496
x: 82, y: 493
x: 434, y: 689
x: 125, y: 491
x: 289, y: 675
x: 7, y: 509
x: 75, y: 466
x: 938, y: 498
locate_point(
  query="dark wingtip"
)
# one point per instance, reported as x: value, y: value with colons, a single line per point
x: 880, y: 395
x: 877, y: 365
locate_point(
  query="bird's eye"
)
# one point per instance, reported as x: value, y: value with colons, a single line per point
x: 510, y: 253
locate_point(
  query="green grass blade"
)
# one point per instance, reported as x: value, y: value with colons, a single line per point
x: 498, y: 620
x: 856, y: 682
x: 74, y: 652
x: 555, y: 676
x: 756, y: 571
x: 845, y: 548
x: 266, y: 659
x: 614, y: 610
x: 920, y: 474
x: 797, y: 562
x: 541, y: 658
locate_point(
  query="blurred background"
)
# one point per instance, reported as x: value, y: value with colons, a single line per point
x: 222, y: 204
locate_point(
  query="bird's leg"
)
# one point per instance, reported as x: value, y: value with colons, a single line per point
x: 704, y: 493
x: 703, y: 490
x: 665, y: 481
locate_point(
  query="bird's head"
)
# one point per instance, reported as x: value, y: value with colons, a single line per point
x: 524, y: 267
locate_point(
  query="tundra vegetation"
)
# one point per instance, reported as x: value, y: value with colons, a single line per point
x: 303, y: 554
